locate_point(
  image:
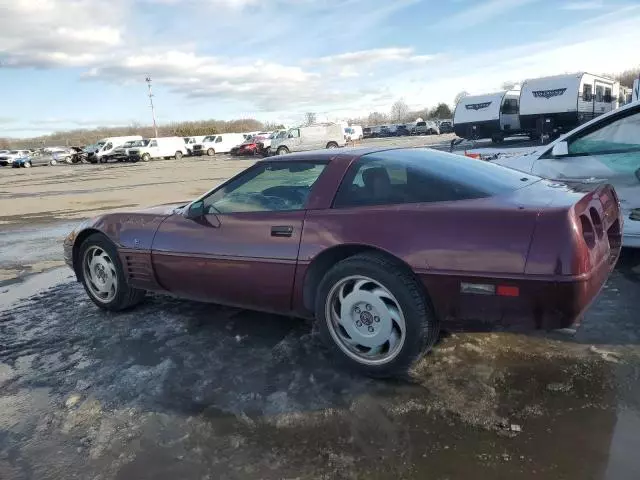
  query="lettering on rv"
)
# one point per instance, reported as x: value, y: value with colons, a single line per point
x: 556, y: 92
x: 477, y: 106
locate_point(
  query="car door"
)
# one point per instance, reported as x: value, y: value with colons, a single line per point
x: 603, y: 151
x: 243, y: 249
x: 153, y: 149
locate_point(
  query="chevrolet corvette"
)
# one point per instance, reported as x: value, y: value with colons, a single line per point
x: 382, y: 247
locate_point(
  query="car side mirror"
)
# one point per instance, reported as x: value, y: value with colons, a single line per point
x: 560, y: 149
x: 196, y: 210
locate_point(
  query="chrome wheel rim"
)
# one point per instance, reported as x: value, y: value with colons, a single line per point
x: 100, y: 274
x: 365, y: 320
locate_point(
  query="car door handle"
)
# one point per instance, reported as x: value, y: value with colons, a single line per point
x: 282, y: 231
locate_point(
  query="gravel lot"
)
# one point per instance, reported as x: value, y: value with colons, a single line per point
x: 181, y: 390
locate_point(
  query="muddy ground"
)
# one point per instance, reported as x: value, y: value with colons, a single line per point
x: 180, y: 390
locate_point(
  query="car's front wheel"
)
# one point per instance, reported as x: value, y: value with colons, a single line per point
x: 282, y: 151
x: 211, y: 152
x: 375, y: 315
x: 178, y: 155
x: 145, y: 157
x: 100, y: 271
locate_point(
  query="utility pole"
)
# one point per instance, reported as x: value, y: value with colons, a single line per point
x: 153, y: 111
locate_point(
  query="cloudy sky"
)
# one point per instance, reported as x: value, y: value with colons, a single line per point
x: 82, y: 63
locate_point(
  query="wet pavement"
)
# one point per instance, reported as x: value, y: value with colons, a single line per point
x: 179, y: 390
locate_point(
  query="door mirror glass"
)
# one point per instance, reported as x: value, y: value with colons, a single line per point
x: 560, y: 149
x: 196, y: 210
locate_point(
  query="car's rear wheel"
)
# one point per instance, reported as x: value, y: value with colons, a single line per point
x: 282, y: 151
x: 332, y: 145
x: 100, y: 271
x: 375, y: 315
x: 178, y: 155
x: 211, y: 152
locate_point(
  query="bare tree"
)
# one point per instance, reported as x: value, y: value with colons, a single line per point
x: 376, y: 118
x: 460, y: 96
x: 399, y: 111
x: 309, y: 118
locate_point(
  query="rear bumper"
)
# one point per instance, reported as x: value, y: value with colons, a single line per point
x: 542, y: 304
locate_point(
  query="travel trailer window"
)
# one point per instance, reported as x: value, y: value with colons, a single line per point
x: 607, y: 95
x: 586, y: 93
x: 599, y: 94
x: 510, y: 106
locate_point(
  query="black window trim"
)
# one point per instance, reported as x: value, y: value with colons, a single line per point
x: 592, y: 128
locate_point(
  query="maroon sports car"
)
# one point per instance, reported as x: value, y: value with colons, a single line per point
x: 382, y: 247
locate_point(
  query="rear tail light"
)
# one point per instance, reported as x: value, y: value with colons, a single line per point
x: 597, y: 222
x: 588, y: 232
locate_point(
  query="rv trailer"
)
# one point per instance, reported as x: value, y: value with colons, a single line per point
x: 494, y: 116
x: 550, y: 106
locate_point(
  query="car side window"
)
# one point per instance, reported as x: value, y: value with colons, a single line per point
x: 108, y: 146
x: 619, y: 136
x: 391, y: 182
x: 218, y: 139
x: 153, y: 144
x: 294, y: 133
x: 267, y: 187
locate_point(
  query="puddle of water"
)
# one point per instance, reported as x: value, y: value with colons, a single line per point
x: 34, y: 284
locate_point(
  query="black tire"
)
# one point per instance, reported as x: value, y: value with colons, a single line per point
x: 126, y: 296
x: 282, y: 151
x: 211, y: 152
x: 27, y: 164
x: 178, y: 155
x: 422, y: 326
x: 332, y: 145
x: 145, y: 157
x: 53, y: 161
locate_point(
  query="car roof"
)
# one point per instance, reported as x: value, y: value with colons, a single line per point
x: 329, y: 154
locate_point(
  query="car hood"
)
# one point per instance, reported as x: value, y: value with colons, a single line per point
x: 129, y: 229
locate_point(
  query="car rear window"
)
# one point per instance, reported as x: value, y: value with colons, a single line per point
x: 423, y: 176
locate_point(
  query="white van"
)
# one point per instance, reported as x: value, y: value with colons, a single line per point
x: 105, y: 147
x: 353, y: 133
x: 222, y: 143
x: 191, y: 141
x: 313, y: 137
x: 161, y: 147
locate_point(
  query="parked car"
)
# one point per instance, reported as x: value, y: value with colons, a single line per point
x: 426, y: 128
x: 222, y: 143
x: 313, y: 137
x: 605, y: 149
x: 251, y: 146
x: 101, y: 151
x: 265, y: 142
x: 367, y: 132
x: 121, y: 154
x: 446, y: 126
x: 402, y: 131
x: 8, y: 158
x: 300, y: 235
x: 191, y: 141
x: 161, y: 147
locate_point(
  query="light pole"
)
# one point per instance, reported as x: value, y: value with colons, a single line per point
x: 153, y: 111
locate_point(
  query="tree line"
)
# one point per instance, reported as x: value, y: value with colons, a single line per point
x: 81, y: 136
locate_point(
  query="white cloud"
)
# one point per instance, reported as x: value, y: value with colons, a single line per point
x: 585, y: 5
x: 480, y: 13
x: 49, y: 33
x: 376, y: 55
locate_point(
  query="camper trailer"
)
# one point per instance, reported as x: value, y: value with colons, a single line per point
x: 550, y: 106
x: 494, y: 116
x: 635, y: 94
